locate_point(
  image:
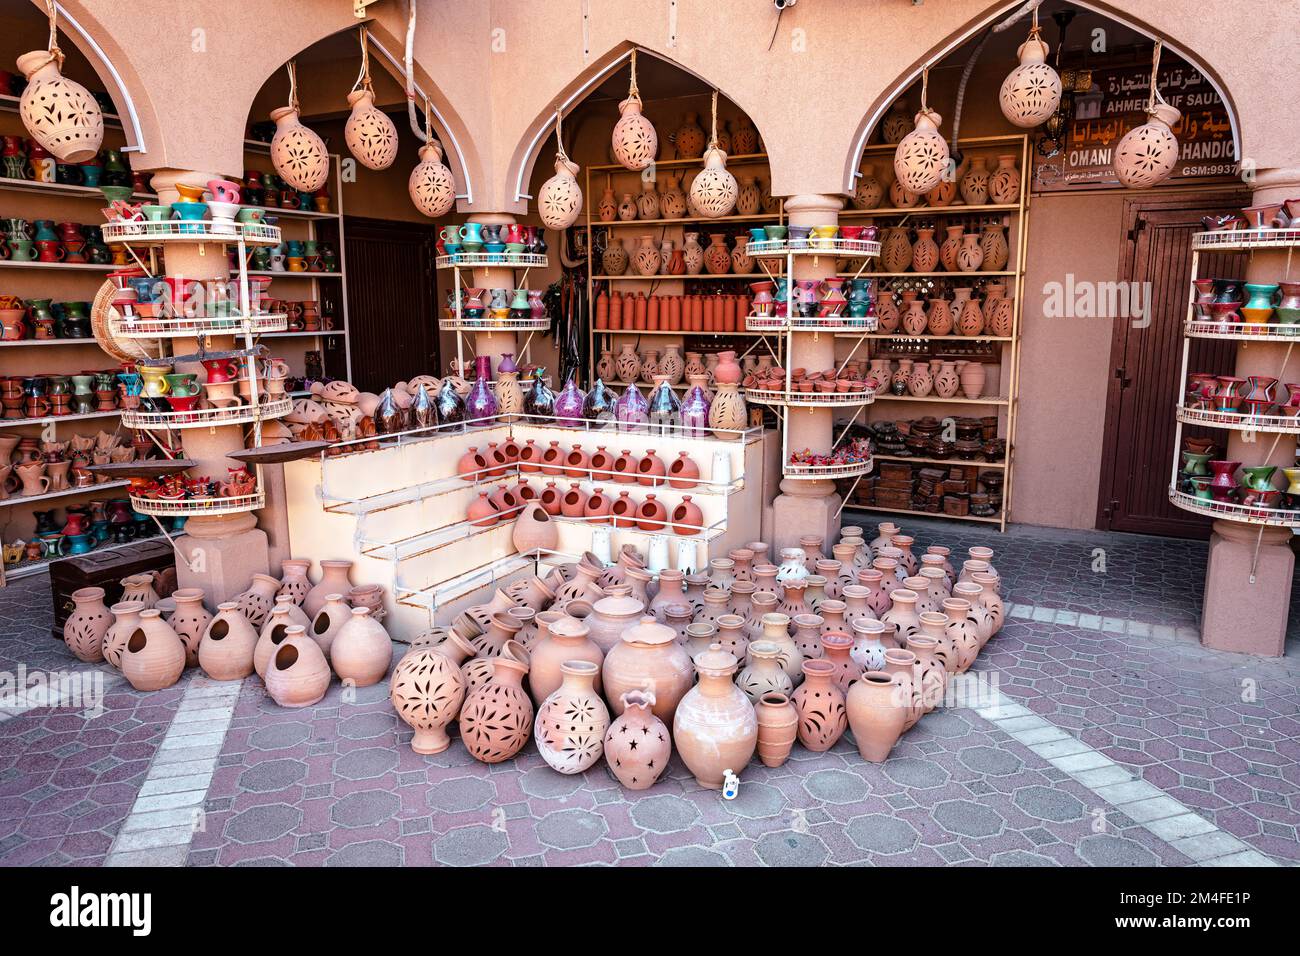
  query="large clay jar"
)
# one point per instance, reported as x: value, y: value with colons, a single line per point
x: 902, y: 613
x: 567, y: 639
x: 126, y: 619
x: 427, y: 690
x: 87, y: 625
x: 294, y: 583
x: 648, y: 657
x: 154, y: 657
x: 572, y: 720
x: 778, y: 725
x: 972, y: 379
x: 325, y: 625
x: 498, y: 716
x: 297, y: 675
x: 763, y: 674
x: 728, y: 412
x: 637, y: 744
x: 362, y: 651
x: 610, y: 617
x: 878, y: 707
x: 776, y: 628
x: 189, y: 621
x: 715, y: 726
x: 227, y: 645
x: 335, y: 578
x: 820, y: 703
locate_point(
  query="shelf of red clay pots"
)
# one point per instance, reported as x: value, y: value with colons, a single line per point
x: 987, y: 519
x: 747, y: 159
x: 1247, y: 238
x: 1282, y: 424
x: 1250, y: 514
x: 954, y: 460
x: 708, y: 533
x: 1244, y: 331
x: 198, y: 506
x: 66, y: 492
x: 955, y: 400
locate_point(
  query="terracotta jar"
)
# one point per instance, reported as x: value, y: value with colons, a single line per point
x: 572, y: 720
x: 807, y: 634
x: 325, y: 624
x: 968, y: 591
x: 820, y: 703
x: 717, y: 602
x: 742, y: 600
x: 126, y: 619
x: 933, y: 675
x: 501, y: 627
x: 565, y: 640
x: 877, y: 710
x: 582, y: 586
x: 189, y: 621
x: 763, y: 673
x: 154, y: 656
x: 297, y: 675
x: 776, y: 628
x: 362, y: 651
x: 671, y: 592
x: 902, y: 664
x: 610, y: 617
x: 715, y: 726
x: 294, y: 582
x: 836, y: 649
x: 87, y: 625
x: 497, y: 718
x: 335, y: 579
x: 732, y: 634
x: 227, y: 645
x: 256, y: 602
x: 902, y: 612
x: 648, y: 657
x: 963, y: 631
x: 637, y: 744
x: 778, y: 725
x: 991, y: 598
x: 138, y: 589
x: 427, y: 691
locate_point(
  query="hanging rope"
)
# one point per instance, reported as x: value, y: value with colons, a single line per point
x: 713, y: 127
x: 559, y: 136
x: 292, y: 67
x: 1154, y: 98
x: 925, y: 91
x: 363, y: 78
x: 55, y: 53
x: 633, y: 92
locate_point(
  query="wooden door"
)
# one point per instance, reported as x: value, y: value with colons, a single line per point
x: 1147, y: 362
x: 392, y: 315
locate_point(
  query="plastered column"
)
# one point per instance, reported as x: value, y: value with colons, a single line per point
x: 494, y: 344
x: 809, y: 507
x: 1248, y: 577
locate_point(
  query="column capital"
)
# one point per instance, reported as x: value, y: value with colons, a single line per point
x: 164, y: 182
x: 493, y: 218
x: 1275, y: 184
x: 813, y: 209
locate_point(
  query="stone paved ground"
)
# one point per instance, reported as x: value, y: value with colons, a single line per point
x: 1121, y: 742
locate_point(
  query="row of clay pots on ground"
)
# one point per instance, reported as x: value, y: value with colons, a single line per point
x: 286, y: 630
x: 625, y: 468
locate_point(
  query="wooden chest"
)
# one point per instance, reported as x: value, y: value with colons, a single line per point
x: 104, y: 569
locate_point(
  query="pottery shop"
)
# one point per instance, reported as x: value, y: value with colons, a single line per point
x: 593, y: 368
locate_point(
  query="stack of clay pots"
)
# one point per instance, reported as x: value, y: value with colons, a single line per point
x: 638, y: 312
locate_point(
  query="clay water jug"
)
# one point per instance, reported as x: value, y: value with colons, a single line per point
x: 335, y: 578
x: 227, y: 645
x: 361, y: 651
x: 878, y: 708
x: 87, y: 625
x: 297, y: 675
x: 820, y: 704
x: 497, y: 718
x: 715, y: 726
x: 637, y: 744
x: 154, y: 656
x: 572, y: 720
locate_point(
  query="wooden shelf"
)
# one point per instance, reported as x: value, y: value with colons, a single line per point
x: 701, y: 275
x: 15, y: 571
x: 772, y: 217
x: 915, y: 460
x: 15, y: 422
x: 18, y: 342
x: 955, y: 400
x: 927, y: 275
x: 927, y: 338
x: 995, y: 519
x: 929, y: 211
x: 677, y: 332
x: 296, y: 275
x: 58, y: 266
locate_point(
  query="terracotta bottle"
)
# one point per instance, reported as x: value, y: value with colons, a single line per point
x: 637, y: 744
x: 227, y: 644
x: 572, y: 720
x: 820, y: 703
x: 778, y: 725
x: 294, y: 582
x: 335, y: 579
x: 648, y: 657
x: 715, y: 727
x: 762, y: 674
x: 87, y: 625
x: 497, y: 718
x: 567, y: 639
x: 297, y: 674
x: 189, y: 621
x: 427, y: 691
x: 362, y: 650
x: 154, y: 656
x: 877, y: 709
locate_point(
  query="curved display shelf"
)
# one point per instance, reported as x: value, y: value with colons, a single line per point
x: 179, y: 230
x: 208, y: 417
x: 487, y: 324
x: 1283, y: 424
x: 1247, y: 331
x: 237, y: 324
x: 479, y: 259
x: 825, y: 472
x: 1246, y: 239
x: 198, y: 506
x: 780, y: 323
x: 812, y: 246
x: 809, y: 399
x: 1250, y: 514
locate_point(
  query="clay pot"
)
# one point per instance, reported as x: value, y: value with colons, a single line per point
x: 257, y: 601
x: 190, y: 620
x: 715, y: 726
x: 154, y: 656
x: 902, y: 612
x: 565, y: 640
x: 609, y: 618
x: 534, y: 530
x: 227, y: 645
x: 572, y: 720
x: 126, y: 619
x: 648, y: 657
x: 878, y: 708
x: 820, y: 703
x: 138, y: 589
x: 335, y: 579
x: 325, y: 625
x: 497, y: 718
x: 683, y: 472
x: 687, y: 517
x: 294, y: 582
x: 427, y: 691
x: 836, y: 649
x: 297, y: 675
x: 778, y: 725
x: 651, y: 515
x: 650, y: 470
x: 763, y: 673
x: 637, y: 744
x: 87, y: 625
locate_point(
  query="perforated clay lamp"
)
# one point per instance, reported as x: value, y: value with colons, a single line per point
x: 369, y: 133
x: 60, y: 113
x: 297, y: 153
x: 1032, y: 91
x: 634, y: 140
x: 559, y: 201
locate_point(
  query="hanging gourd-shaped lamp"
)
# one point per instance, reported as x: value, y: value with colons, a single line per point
x: 60, y: 113
x: 1147, y: 154
x: 635, y: 142
x: 714, y: 191
x: 297, y: 153
x: 560, y: 199
x: 921, y: 159
x: 1032, y: 91
x: 369, y: 133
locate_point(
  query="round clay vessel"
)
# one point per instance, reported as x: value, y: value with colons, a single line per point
x: 257, y: 601
x: 126, y: 618
x: 820, y: 703
x: 294, y: 582
x: 327, y: 621
x: 648, y: 658
x: 877, y: 709
x: 637, y: 744
x: 763, y: 673
x: 335, y: 579
x: 87, y: 625
x: 297, y: 674
x: 498, y: 716
x: 362, y: 650
x: 154, y: 656
x: 778, y: 725
x: 610, y: 617
x: 427, y: 691
x: 715, y: 727
x: 572, y: 721
x: 227, y: 645
x: 567, y: 639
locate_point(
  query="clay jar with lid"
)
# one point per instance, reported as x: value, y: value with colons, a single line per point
x: 877, y: 711
x: 637, y: 744
x: 820, y: 704
x: 428, y: 689
x: 648, y: 657
x: 565, y: 640
x: 609, y: 618
x: 715, y: 726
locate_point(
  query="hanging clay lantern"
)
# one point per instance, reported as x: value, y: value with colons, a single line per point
x: 714, y: 191
x: 635, y: 142
x: 560, y: 199
x: 369, y: 133
x: 1032, y: 91
x: 297, y: 153
x: 60, y: 113
x: 922, y: 156
x: 1147, y: 154
x: 431, y: 187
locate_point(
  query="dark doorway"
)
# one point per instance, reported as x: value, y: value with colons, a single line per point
x: 392, y: 314
x: 1146, y: 363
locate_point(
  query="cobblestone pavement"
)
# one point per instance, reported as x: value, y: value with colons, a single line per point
x: 1120, y: 741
